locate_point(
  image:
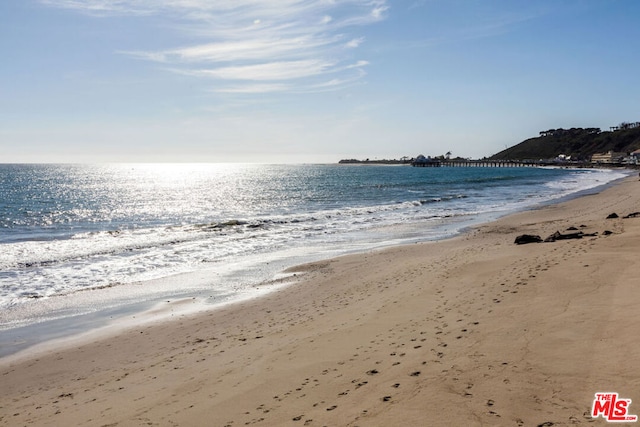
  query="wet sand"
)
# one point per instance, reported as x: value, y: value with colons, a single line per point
x: 469, y: 331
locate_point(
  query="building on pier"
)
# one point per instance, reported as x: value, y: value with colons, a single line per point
x: 425, y: 162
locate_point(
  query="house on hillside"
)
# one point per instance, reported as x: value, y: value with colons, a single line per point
x: 634, y: 157
x: 610, y: 157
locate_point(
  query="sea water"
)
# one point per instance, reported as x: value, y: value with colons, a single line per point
x: 79, y: 240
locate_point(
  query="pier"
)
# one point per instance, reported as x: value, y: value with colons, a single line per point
x: 488, y: 164
x: 429, y: 162
x: 436, y: 163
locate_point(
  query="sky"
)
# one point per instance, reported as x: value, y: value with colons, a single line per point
x: 307, y: 81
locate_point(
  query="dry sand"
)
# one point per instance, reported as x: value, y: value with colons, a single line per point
x: 469, y: 331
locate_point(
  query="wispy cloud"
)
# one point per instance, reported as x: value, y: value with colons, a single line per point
x: 355, y: 42
x: 254, y: 88
x: 255, y: 46
x: 269, y: 71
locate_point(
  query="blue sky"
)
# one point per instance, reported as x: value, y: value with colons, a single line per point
x: 288, y: 81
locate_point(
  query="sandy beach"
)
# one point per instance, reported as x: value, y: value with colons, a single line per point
x: 470, y: 331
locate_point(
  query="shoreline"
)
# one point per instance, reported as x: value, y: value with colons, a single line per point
x: 48, y: 333
x: 470, y: 330
x: 34, y: 320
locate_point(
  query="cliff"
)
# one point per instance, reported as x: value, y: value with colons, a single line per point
x: 579, y: 143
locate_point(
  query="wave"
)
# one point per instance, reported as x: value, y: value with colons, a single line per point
x: 98, y: 255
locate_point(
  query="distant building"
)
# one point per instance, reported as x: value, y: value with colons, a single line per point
x: 422, y: 161
x: 562, y: 158
x: 607, y: 158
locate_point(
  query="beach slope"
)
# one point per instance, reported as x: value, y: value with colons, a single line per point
x: 471, y: 331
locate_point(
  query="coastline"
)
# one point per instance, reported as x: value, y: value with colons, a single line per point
x: 472, y: 330
x: 213, y: 279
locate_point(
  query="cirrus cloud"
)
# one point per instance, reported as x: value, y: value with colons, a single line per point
x: 269, y: 46
x: 269, y: 71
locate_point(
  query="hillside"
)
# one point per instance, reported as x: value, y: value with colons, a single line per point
x: 579, y: 143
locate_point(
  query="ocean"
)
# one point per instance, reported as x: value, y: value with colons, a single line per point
x: 80, y: 244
